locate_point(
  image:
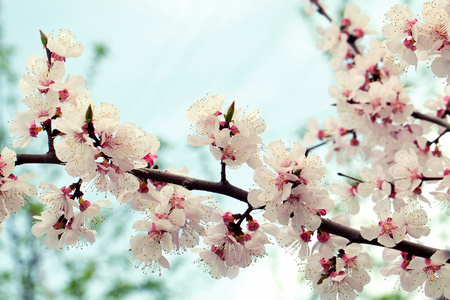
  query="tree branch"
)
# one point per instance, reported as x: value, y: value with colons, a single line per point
x: 353, y: 235
x: 431, y: 119
x: 48, y: 128
x: 48, y: 158
x: 245, y: 215
x: 223, y: 176
x: 225, y: 188
x: 321, y: 11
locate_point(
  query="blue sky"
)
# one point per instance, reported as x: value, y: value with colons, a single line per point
x: 164, y: 55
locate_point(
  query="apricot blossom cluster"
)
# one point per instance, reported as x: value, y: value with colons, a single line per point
x: 232, y: 135
x: 376, y: 118
x: 412, y: 39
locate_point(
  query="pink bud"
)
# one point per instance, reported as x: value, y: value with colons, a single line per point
x: 227, y: 218
x: 359, y: 32
x: 346, y: 22
x: 63, y: 95
x: 252, y: 225
x: 34, y: 130
x: 323, y: 237
x: 84, y: 204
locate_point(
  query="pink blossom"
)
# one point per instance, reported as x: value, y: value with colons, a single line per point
x: 433, y: 272
x: 42, y: 77
x: 147, y: 249
x: 58, y: 199
x: 295, y: 243
x: 407, y: 172
x: 389, y: 231
x: 64, y: 45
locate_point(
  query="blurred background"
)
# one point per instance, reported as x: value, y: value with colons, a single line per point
x: 152, y: 59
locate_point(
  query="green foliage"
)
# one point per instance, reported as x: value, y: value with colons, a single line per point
x: 6, y: 52
x: 77, y: 285
x: 122, y: 288
x: 395, y: 296
x: 5, y: 278
x: 100, y: 50
x: 5, y: 58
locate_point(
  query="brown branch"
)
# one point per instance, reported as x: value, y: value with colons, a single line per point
x: 432, y: 178
x: 320, y: 10
x: 245, y: 215
x: 223, y: 176
x: 48, y: 128
x: 350, y: 177
x: 431, y: 119
x: 315, y: 146
x: 48, y: 158
x: 436, y: 140
x: 354, y: 236
x: 225, y: 188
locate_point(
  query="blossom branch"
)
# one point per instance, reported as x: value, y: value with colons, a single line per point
x: 350, y: 177
x: 315, y: 146
x: 351, y: 38
x: 224, y: 188
x: 431, y: 119
x: 48, y: 158
x: 436, y: 140
x: 354, y: 236
x: 245, y: 215
x: 431, y: 178
x: 227, y: 189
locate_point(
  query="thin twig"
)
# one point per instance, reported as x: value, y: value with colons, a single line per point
x: 350, y: 39
x: 245, y: 215
x: 431, y: 178
x: 350, y: 177
x: 436, y: 140
x: 48, y: 128
x: 223, y: 176
x: 320, y: 10
x: 315, y: 146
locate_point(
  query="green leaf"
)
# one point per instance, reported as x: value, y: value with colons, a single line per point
x: 89, y: 114
x: 229, y: 115
x: 44, y: 39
